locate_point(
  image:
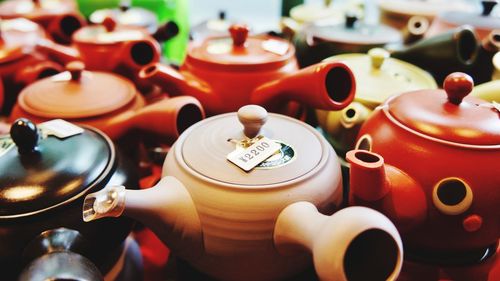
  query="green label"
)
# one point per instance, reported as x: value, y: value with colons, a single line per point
x: 282, y: 157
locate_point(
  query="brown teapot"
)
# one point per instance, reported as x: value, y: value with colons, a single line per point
x: 225, y: 73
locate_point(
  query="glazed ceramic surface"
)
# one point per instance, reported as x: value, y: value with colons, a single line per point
x: 225, y: 73
x: 378, y: 77
x: 45, y: 173
x: 483, y: 21
x: 422, y: 172
x: 235, y: 224
x: 319, y: 41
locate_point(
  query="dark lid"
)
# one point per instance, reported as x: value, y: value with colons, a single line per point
x: 449, y: 115
x: 41, y: 173
x: 355, y: 32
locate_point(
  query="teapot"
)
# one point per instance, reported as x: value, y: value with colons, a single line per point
x: 60, y: 18
x: 46, y: 171
x: 106, y: 101
x: 318, y: 41
x: 244, y: 202
x: 379, y: 76
x: 20, y: 64
x: 225, y: 73
x: 110, y: 47
x: 483, y: 22
x: 415, y: 162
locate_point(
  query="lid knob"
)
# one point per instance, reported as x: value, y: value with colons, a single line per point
x: 222, y: 15
x: 239, y: 33
x: 350, y: 19
x: 378, y: 56
x: 109, y: 23
x: 253, y: 117
x: 25, y: 134
x: 488, y: 6
x: 124, y: 5
x: 75, y: 68
x: 457, y: 86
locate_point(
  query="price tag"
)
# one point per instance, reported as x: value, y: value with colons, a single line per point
x: 255, y: 154
x: 60, y: 128
x: 275, y: 46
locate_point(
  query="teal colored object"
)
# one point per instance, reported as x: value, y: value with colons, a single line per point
x: 174, y: 50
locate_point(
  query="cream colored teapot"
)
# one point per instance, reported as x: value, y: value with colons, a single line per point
x: 254, y: 201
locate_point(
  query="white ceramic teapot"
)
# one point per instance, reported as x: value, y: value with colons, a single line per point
x: 260, y: 224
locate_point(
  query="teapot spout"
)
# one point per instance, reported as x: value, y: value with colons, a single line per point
x: 166, y: 208
x: 355, y: 243
x: 175, y: 83
x: 62, y: 27
x: 327, y: 85
x: 386, y: 188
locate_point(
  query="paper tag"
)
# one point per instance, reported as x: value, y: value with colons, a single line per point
x: 6, y: 143
x: 60, y: 128
x: 255, y: 154
x: 276, y: 46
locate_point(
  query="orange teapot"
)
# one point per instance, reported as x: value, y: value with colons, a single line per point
x: 60, y: 18
x: 225, y: 73
x: 428, y: 160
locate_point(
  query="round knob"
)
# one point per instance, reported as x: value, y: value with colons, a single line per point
x: 25, y: 134
x: 488, y: 6
x: 350, y: 20
x: 457, y: 86
x: 253, y: 117
x: 378, y: 56
x: 109, y: 23
x: 239, y: 33
x: 124, y: 5
x: 222, y: 15
x: 75, y: 68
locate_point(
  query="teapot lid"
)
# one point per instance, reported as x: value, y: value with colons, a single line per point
x: 205, y: 146
x: 76, y: 93
x: 354, y: 32
x: 48, y: 166
x: 483, y: 19
x: 126, y: 15
x: 448, y: 115
x: 425, y: 8
x: 306, y: 13
x: 17, y: 36
x: 35, y: 9
x: 378, y: 76
x: 109, y: 32
x: 241, y: 51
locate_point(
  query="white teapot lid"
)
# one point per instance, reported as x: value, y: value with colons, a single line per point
x: 205, y: 146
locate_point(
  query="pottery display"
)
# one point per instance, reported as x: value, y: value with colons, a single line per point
x: 415, y: 162
x: 251, y: 217
x: 317, y: 42
x: 59, y: 17
x: 225, y: 73
x: 453, y: 50
x: 105, y: 101
x: 483, y: 22
x: 20, y: 64
x: 396, y: 13
x: 46, y: 171
x: 378, y: 77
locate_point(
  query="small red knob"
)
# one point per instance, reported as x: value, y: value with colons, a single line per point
x: 109, y: 23
x: 239, y: 33
x: 457, y: 86
x: 75, y: 68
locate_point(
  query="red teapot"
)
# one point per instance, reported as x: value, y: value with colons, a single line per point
x: 225, y: 73
x: 428, y: 160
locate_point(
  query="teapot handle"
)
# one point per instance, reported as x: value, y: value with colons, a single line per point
x: 355, y: 243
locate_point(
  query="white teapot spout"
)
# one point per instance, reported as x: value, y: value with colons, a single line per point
x: 355, y: 243
x: 166, y: 208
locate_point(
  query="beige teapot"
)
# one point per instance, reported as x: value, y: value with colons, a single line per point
x: 262, y: 221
